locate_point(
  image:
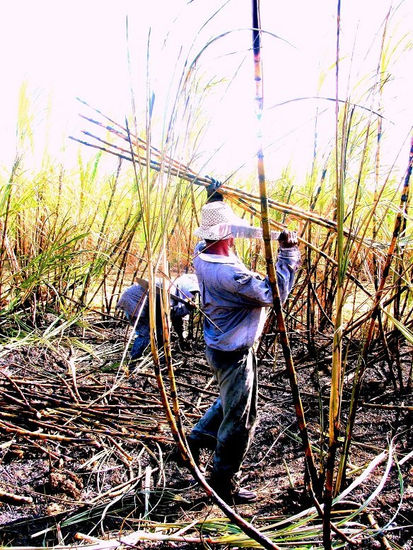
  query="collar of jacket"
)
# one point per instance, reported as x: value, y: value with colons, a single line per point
x: 219, y: 258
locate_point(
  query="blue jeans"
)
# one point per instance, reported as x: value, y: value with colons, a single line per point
x: 228, y: 425
x: 141, y: 342
x: 143, y: 339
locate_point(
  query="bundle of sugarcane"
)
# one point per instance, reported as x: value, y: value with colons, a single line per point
x: 127, y: 146
x: 133, y: 148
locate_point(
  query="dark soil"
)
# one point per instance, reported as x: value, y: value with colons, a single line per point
x: 70, y: 440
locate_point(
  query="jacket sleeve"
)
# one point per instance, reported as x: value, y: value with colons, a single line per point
x: 257, y: 292
x: 288, y: 261
x: 251, y: 290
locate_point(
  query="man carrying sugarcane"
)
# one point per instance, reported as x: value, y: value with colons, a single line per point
x: 233, y: 300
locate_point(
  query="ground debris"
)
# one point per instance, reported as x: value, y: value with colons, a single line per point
x: 89, y: 446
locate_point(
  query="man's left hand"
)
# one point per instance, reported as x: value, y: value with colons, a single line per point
x: 288, y: 239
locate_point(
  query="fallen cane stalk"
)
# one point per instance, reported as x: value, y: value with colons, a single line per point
x: 15, y: 500
x: 39, y: 435
x: 375, y: 525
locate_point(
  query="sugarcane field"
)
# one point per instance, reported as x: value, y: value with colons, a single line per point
x: 206, y: 245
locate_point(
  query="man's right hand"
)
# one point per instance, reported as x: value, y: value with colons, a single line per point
x: 288, y: 239
x: 212, y: 190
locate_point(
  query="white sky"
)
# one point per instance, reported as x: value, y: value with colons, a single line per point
x: 78, y: 48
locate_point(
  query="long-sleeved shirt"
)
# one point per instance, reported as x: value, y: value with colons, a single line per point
x: 134, y: 300
x: 234, y: 298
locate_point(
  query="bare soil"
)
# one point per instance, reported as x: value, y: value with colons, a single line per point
x: 87, y: 448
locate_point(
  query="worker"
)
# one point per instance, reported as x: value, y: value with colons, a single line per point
x: 234, y: 302
x: 184, y: 294
x: 134, y: 303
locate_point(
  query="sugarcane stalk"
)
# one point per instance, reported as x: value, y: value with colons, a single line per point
x: 152, y: 301
x: 397, y: 309
x: 13, y: 499
x: 139, y: 143
x: 379, y: 76
x: 173, y: 415
x: 271, y: 272
x: 310, y: 313
x: 398, y: 224
x: 336, y: 371
x: 176, y: 425
x: 165, y: 308
x: 9, y: 428
x: 5, y: 248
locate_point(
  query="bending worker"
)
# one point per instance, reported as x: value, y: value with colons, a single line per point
x: 233, y: 300
x: 134, y: 303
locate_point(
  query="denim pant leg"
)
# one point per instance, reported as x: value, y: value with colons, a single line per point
x: 205, y: 432
x: 236, y: 374
x: 142, y: 340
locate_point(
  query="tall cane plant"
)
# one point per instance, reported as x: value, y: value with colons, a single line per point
x: 336, y: 370
x: 281, y: 326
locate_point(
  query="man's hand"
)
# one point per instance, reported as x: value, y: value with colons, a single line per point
x: 212, y: 190
x: 288, y: 239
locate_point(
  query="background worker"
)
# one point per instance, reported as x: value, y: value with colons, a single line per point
x: 134, y: 303
x: 183, y: 296
x: 233, y: 301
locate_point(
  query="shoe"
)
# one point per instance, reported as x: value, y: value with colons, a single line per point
x: 230, y: 493
x: 243, y: 496
x: 238, y: 496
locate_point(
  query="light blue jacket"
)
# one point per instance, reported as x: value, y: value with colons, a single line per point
x: 234, y: 298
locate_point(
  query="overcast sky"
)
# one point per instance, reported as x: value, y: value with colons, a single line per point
x: 78, y: 48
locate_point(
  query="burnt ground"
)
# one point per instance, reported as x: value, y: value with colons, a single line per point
x: 85, y: 446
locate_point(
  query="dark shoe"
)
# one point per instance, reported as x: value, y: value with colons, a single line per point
x: 230, y: 493
x: 243, y: 496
